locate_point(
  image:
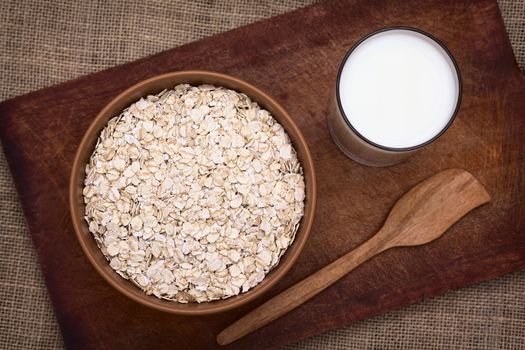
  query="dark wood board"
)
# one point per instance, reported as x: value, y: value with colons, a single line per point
x: 295, y: 57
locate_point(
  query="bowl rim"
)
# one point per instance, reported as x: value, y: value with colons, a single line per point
x: 205, y: 308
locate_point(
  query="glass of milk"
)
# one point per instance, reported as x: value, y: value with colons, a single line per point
x: 398, y: 89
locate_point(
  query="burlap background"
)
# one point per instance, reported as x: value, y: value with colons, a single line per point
x: 43, y: 43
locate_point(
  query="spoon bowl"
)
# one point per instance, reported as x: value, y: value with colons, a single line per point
x: 429, y: 209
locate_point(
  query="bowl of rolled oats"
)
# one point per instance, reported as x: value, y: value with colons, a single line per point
x: 192, y: 192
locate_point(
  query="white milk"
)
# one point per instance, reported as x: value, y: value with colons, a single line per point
x: 399, y: 88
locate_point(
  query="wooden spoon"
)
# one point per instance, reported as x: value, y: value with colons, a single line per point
x: 423, y: 214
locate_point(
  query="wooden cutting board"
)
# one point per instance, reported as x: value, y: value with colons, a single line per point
x: 294, y: 57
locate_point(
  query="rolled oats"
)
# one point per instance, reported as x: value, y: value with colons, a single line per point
x: 194, y: 194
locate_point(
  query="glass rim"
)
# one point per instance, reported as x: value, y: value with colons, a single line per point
x: 452, y: 117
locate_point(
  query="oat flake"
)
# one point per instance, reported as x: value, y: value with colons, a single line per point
x: 194, y: 194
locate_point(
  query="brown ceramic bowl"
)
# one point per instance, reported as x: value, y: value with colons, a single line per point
x: 152, y: 86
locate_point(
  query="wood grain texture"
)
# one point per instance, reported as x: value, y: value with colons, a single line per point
x: 294, y: 58
x: 422, y: 215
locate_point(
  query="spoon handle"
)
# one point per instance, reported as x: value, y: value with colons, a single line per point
x: 300, y: 292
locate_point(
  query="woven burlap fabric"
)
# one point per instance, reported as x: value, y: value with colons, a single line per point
x: 43, y: 43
